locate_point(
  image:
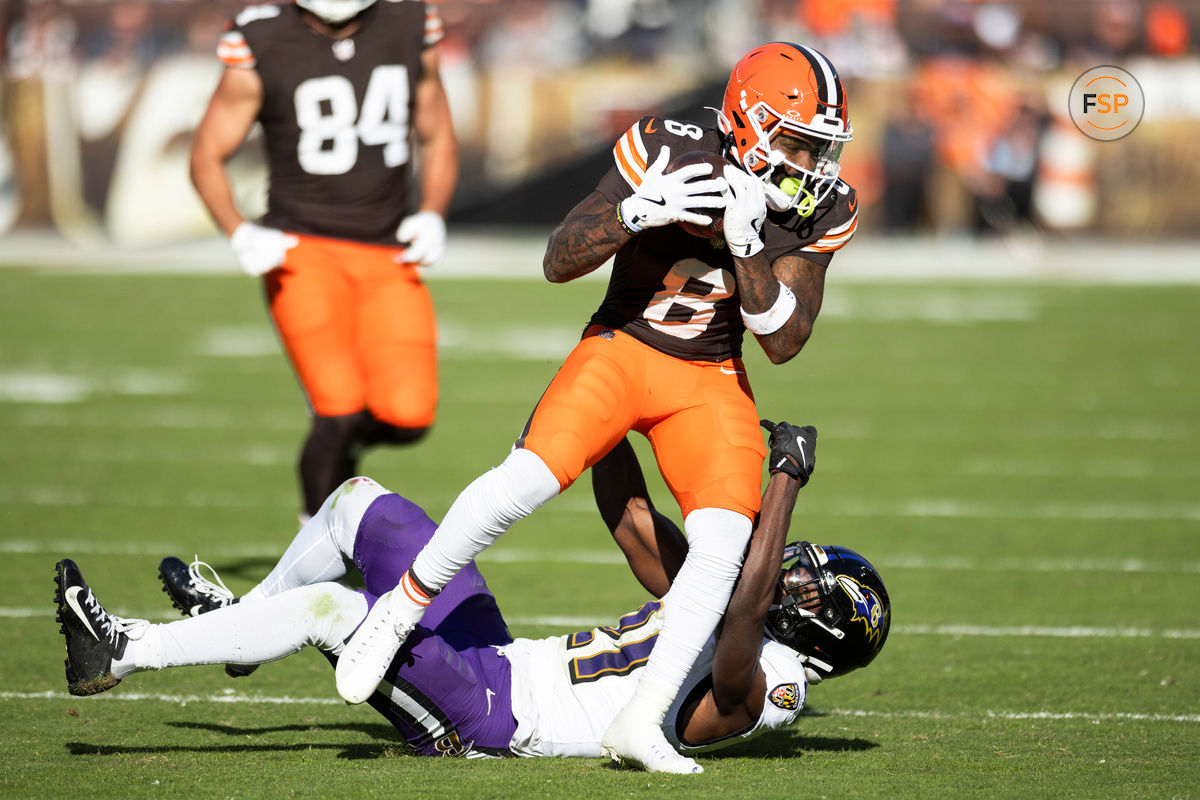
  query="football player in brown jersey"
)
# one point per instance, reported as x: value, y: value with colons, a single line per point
x: 340, y: 87
x: 662, y: 356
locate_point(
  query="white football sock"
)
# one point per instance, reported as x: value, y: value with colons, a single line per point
x: 321, y: 615
x: 717, y: 541
x: 315, y: 555
x: 482, y: 512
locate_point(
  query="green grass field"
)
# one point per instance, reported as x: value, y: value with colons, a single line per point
x: 1020, y: 460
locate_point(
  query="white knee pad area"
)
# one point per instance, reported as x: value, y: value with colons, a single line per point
x: 718, y: 534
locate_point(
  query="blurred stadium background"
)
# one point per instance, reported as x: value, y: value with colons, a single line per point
x: 1004, y: 376
x: 959, y: 108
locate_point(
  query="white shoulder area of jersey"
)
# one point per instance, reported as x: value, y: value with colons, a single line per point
x: 629, y: 153
x: 787, y: 687
x: 233, y: 51
x: 837, y: 236
x: 254, y: 13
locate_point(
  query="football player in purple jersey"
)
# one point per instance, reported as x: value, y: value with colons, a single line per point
x: 461, y: 685
x: 341, y: 89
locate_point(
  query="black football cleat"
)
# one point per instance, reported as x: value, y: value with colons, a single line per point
x: 193, y: 594
x: 95, y: 638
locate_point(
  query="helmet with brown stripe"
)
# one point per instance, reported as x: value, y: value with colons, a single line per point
x: 784, y: 88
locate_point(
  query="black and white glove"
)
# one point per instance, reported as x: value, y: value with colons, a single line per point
x: 672, y: 197
x: 424, y: 238
x: 260, y: 250
x: 793, y: 449
x: 745, y: 213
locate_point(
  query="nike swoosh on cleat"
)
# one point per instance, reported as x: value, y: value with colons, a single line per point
x: 71, y: 595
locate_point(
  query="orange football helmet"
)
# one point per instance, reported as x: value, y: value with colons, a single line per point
x: 782, y: 86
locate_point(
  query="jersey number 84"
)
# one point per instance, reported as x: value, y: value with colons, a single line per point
x: 331, y: 124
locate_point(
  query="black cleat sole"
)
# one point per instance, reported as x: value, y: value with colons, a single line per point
x: 170, y: 562
x: 240, y: 670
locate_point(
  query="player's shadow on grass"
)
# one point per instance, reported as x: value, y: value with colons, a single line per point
x: 348, y: 751
x: 374, y: 730
x: 387, y: 741
x: 784, y: 744
x: 253, y: 569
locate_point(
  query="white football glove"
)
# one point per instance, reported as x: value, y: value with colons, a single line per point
x: 260, y: 250
x: 424, y: 238
x: 663, y: 199
x: 745, y: 213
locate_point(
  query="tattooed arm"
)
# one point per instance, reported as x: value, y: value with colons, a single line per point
x: 588, y: 237
x: 758, y: 286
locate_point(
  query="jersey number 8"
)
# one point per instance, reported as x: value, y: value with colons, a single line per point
x: 331, y: 125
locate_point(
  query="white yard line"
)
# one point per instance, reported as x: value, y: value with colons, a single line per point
x: 1071, y: 632
x: 472, y: 254
x: 920, y: 507
x: 1095, y: 718
x: 230, y: 697
x: 612, y: 557
x: 957, y: 631
x: 585, y: 622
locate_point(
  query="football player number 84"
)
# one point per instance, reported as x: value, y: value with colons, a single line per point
x: 331, y: 124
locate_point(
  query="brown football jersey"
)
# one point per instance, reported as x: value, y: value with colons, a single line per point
x: 677, y: 292
x: 336, y: 114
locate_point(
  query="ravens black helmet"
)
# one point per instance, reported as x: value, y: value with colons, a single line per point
x: 833, y: 608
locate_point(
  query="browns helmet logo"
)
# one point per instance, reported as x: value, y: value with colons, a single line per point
x: 786, y: 696
x: 868, y: 608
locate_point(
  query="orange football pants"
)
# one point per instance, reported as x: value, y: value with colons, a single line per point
x: 359, y: 330
x: 699, y: 416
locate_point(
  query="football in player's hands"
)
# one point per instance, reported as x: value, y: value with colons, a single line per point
x: 716, y: 228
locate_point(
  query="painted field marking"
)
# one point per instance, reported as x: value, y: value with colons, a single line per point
x: 956, y: 630
x: 1068, y: 632
x: 229, y: 697
x: 612, y: 557
x: 585, y: 622
x: 1093, y: 717
x: 925, y: 507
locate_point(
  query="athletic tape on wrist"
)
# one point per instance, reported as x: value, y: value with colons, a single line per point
x: 626, y: 226
x: 774, y: 317
x: 745, y: 249
x: 413, y: 591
